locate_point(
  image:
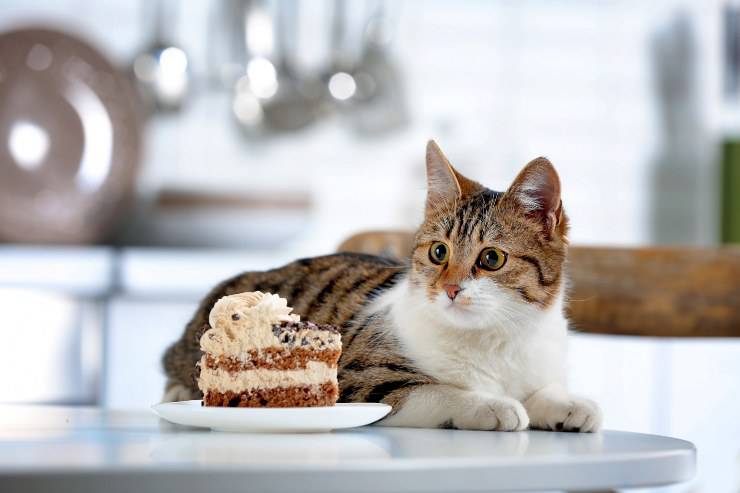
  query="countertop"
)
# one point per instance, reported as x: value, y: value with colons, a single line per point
x: 88, y: 449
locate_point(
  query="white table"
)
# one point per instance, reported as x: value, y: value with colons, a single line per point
x: 64, y: 449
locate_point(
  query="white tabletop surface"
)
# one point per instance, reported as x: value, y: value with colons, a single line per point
x: 87, y: 449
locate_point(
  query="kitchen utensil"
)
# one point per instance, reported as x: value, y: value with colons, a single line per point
x: 339, y: 81
x: 295, y: 105
x: 272, y: 96
x: 71, y: 136
x: 273, y: 419
x: 161, y: 70
x: 379, y: 103
x: 226, y: 43
x: 249, y: 84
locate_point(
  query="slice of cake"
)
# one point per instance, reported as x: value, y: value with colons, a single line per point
x: 258, y: 354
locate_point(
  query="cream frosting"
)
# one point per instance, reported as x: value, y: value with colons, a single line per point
x: 254, y: 307
x: 245, y: 322
x: 241, y: 322
x: 315, y: 373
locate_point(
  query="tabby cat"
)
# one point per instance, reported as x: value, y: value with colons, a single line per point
x: 468, y: 333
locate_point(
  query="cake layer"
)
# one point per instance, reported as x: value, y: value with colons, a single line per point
x: 273, y: 358
x: 325, y: 394
x: 257, y: 353
x: 221, y: 380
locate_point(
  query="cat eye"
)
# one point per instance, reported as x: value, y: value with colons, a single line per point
x: 439, y: 253
x: 491, y: 259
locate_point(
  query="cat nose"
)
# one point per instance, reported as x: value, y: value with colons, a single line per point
x: 452, y: 290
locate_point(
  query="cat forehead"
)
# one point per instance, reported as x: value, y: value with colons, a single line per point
x: 474, y: 215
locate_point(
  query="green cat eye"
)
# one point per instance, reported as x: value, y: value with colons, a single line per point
x: 439, y: 253
x: 491, y: 259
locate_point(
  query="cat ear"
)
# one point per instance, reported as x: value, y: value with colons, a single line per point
x: 536, y: 190
x: 444, y: 183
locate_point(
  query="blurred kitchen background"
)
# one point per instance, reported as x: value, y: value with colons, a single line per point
x: 150, y: 149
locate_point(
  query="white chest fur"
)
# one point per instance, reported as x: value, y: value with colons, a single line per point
x: 515, y: 359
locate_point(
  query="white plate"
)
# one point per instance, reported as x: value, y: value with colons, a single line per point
x: 272, y: 419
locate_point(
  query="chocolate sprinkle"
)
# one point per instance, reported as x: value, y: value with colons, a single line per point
x: 286, y: 332
x: 295, y: 326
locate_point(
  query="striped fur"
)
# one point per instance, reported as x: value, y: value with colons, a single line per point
x: 490, y: 357
x: 330, y: 289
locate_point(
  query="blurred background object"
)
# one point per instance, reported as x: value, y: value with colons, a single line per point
x: 170, y: 144
x: 683, y: 176
x: 730, y: 161
x: 161, y: 69
x: 70, y: 126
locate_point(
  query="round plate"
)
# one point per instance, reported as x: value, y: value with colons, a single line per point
x: 272, y: 419
x: 70, y: 138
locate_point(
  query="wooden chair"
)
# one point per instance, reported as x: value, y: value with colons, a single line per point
x: 667, y: 291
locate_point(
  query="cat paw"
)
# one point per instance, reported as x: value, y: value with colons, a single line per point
x: 499, y: 414
x: 577, y: 415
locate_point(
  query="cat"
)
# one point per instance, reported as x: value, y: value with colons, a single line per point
x: 468, y: 333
